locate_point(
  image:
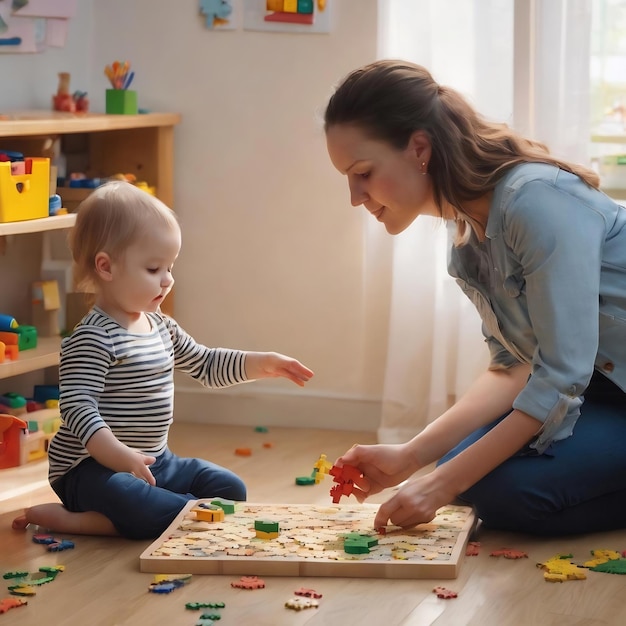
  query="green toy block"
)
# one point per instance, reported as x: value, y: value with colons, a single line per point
x: 121, y: 102
x: 26, y: 337
x: 228, y: 506
x: 305, y: 6
x: 266, y: 526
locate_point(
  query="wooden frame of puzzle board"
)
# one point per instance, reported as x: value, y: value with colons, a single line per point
x: 310, y: 543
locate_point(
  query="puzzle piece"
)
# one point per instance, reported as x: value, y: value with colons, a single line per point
x: 558, y: 569
x: 307, y: 593
x: 509, y: 554
x: 59, y: 546
x: 249, y: 582
x: 298, y: 603
x: 7, y: 604
x: 344, y: 476
x: 444, y: 593
x: 196, y: 606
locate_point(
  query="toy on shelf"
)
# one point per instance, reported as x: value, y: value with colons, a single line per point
x: 15, y: 338
x: 12, y: 429
x: 120, y: 99
x: 63, y: 100
x: 46, y: 303
x: 28, y: 425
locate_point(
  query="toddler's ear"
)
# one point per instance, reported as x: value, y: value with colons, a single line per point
x: 102, y: 264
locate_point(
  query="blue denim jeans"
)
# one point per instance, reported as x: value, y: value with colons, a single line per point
x: 578, y: 485
x: 136, y: 509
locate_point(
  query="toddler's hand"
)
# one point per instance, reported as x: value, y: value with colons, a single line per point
x: 274, y: 365
x: 140, y: 467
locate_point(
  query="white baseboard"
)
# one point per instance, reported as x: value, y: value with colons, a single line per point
x: 263, y: 408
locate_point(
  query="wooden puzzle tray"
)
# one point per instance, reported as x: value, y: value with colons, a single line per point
x: 310, y: 542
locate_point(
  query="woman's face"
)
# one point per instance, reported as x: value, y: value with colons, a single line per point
x: 388, y: 182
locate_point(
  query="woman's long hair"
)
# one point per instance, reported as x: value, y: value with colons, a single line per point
x: 390, y: 100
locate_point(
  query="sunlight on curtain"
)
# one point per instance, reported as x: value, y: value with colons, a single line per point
x: 435, y: 346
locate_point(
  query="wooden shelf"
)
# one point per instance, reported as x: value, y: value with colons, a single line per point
x: 55, y: 222
x: 34, y: 123
x: 616, y: 194
x: 46, y: 354
x: 609, y: 138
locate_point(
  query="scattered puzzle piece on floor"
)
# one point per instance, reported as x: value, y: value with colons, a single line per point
x: 299, y: 603
x: 196, y: 606
x: 305, y: 480
x: 509, y: 554
x: 14, y: 575
x: 6, y: 604
x: 600, y: 557
x: 243, y: 451
x: 307, y: 593
x: 444, y: 593
x: 248, y: 582
x: 59, y: 546
x: 558, y: 569
x: 614, y: 566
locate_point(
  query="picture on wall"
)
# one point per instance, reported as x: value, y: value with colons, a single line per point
x: 219, y: 14
x: 287, y: 16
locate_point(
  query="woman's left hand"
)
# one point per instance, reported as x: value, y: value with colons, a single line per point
x: 416, y: 502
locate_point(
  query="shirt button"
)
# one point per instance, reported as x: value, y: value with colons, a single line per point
x: 608, y: 367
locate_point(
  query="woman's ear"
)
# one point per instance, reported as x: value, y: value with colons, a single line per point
x: 420, y: 146
x: 102, y: 264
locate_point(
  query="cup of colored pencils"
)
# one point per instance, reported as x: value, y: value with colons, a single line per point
x: 120, y: 100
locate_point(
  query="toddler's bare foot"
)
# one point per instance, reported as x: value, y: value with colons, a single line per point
x: 20, y: 523
x: 57, y: 518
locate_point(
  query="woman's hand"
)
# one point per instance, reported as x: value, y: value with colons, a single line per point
x: 416, y: 502
x: 274, y: 365
x: 382, y: 466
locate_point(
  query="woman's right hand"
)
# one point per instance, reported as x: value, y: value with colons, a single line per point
x: 382, y: 466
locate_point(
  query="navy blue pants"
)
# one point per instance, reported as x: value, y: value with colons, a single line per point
x: 578, y: 485
x: 136, y: 509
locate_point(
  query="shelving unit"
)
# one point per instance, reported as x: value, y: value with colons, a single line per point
x: 99, y: 145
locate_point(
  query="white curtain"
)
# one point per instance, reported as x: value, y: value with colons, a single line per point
x: 435, y: 347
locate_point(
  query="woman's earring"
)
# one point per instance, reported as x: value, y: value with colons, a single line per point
x: 423, y: 168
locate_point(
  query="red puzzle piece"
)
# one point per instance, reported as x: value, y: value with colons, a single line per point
x: 249, y: 582
x: 444, y: 593
x: 344, y: 477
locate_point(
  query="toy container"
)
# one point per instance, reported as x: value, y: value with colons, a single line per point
x: 121, y: 102
x: 25, y: 196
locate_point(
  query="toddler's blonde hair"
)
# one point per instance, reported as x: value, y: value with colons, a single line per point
x: 109, y: 220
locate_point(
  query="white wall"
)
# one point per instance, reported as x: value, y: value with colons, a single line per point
x: 30, y: 80
x: 273, y: 253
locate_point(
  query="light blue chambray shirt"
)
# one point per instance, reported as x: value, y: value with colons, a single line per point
x: 549, y: 283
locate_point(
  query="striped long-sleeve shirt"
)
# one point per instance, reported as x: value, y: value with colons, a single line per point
x: 112, y: 378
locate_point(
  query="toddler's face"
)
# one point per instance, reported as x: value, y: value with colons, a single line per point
x: 143, y: 277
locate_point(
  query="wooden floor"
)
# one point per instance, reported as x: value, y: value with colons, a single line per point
x: 102, y: 585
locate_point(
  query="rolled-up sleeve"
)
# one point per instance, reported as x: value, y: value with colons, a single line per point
x: 557, y: 238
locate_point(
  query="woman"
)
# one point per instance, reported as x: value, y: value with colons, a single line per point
x: 538, y: 443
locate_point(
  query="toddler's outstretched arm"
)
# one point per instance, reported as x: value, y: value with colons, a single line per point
x: 275, y: 365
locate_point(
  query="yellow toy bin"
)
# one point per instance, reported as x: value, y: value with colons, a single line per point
x: 25, y: 196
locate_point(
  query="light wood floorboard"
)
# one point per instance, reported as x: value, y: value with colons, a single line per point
x: 102, y: 585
